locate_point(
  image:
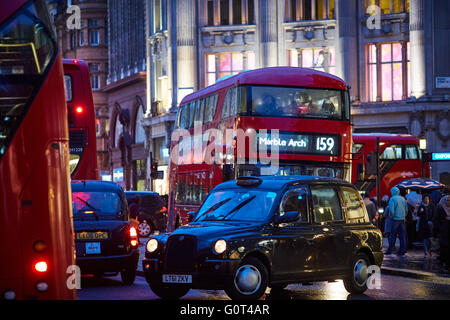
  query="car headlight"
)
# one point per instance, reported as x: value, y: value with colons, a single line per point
x: 220, y: 246
x: 152, y: 245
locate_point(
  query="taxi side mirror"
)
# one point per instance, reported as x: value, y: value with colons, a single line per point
x: 191, y: 216
x: 287, y: 217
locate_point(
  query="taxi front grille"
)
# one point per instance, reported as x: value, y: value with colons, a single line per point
x: 180, y: 254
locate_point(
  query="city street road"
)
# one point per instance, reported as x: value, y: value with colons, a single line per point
x: 391, y: 288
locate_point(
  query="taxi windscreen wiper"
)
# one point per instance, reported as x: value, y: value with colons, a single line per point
x: 214, y: 207
x: 90, y: 206
x: 239, y: 206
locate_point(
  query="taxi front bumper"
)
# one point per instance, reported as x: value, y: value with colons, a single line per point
x: 209, y: 274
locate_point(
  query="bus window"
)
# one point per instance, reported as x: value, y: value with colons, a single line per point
x: 393, y: 152
x: 411, y: 153
x: 297, y: 102
x: 210, y: 108
x: 226, y: 105
x: 68, y: 87
x: 184, y: 117
x: 192, y: 113
x: 199, y: 112
x: 28, y: 44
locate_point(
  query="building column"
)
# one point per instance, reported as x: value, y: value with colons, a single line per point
x: 186, y: 42
x: 269, y: 26
x: 347, y: 44
x: 417, y: 48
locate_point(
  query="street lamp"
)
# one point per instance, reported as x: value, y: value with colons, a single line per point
x: 423, y: 147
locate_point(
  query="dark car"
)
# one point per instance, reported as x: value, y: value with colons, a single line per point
x: 152, y: 211
x: 257, y: 232
x: 105, y: 241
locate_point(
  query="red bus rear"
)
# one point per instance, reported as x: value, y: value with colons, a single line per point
x: 301, y: 112
x: 81, y: 118
x: 399, y: 156
x: 36, y: 229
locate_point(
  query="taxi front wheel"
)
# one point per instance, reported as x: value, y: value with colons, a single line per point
x: 167, y: 291
x: 356, y: 282
x: 249, y: 281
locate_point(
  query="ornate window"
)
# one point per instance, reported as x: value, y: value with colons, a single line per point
x: 139, y: 132
x: 118, y: 129
x: 223, y: 64
x: 321, y: 59
x: 230, y: 12
x: 388, y: 71
x: 298, y: 10
x: 389, y: 6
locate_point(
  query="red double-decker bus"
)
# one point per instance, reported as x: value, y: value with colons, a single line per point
x: 399, y: 159
x: 36, y: 229
x: 81, y: 118
x: 299, y: 116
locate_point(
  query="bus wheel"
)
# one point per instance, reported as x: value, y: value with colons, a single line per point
x: 249, y: 280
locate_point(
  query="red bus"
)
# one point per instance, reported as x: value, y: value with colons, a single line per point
x: 36, y: 228
x: 399, y: 159
x: 303, y: 113
x: 81, y: 118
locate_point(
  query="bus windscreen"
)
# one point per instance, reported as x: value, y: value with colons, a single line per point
x: 297, y: 102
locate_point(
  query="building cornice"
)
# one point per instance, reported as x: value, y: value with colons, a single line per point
x: 135, y: 78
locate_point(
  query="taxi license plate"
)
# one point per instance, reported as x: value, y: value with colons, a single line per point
x: 177, y: 278
x: 93, y: 248
x: 100, y: 235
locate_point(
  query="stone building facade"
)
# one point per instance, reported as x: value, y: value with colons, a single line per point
x: 126, y: 94
x: 393, y: 54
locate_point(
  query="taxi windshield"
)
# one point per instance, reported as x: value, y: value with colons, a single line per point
x: 239, y: 205
x: 100, y: 205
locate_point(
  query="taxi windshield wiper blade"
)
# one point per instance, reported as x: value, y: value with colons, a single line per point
x: 214, y: 207
x: 90, y: 206
x: 239, y: 206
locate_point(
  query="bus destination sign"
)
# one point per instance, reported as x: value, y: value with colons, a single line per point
x: 301, y: 143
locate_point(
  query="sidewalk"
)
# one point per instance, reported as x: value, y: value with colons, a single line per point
x: 412, y: 265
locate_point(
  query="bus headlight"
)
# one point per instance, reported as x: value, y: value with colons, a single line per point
x: 220, y: 246
x: 152, y: 245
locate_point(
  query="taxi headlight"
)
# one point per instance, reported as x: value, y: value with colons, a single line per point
x: 152, y: 245
x: 220, y: 246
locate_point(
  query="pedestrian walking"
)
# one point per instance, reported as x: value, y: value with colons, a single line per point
x: 387, y: 220
x: 382, y: 219
x: 397, y: 212
x: 424, y: 224
x: 441, y: 225
x: 371, y: 209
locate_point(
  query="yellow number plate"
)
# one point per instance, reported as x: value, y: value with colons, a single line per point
x: 100, y: 235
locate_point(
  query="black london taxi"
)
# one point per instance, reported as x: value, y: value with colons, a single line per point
x: 152, y: 211
x: 105, y: 241
x: 259, y: 232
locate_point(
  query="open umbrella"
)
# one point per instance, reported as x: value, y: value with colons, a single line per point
x: 420, y: 184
